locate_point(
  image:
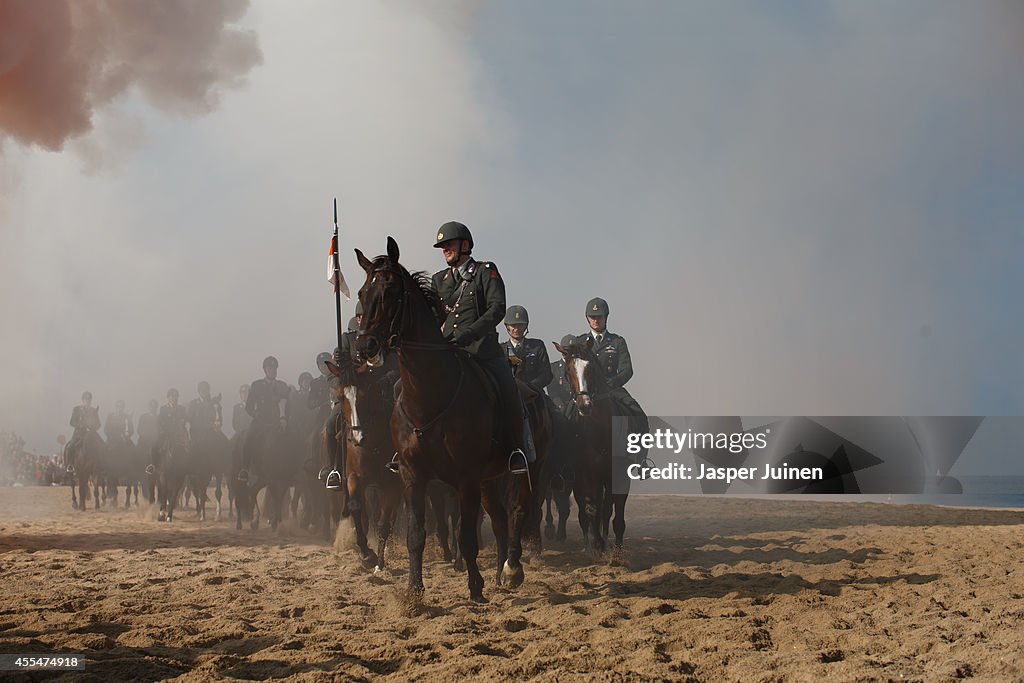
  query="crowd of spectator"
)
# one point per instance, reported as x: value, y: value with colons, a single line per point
x: 18, y: 467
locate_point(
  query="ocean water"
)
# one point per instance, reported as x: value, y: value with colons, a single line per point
x: 985, y: 492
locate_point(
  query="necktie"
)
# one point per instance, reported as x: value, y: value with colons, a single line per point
x: 598, y: 338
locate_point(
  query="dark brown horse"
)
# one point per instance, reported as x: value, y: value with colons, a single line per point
x: 86, y: 457
x: 209, y: 451
x: 170, y: 474
x: 594, y: 409
x: 367, y: 415
x: 444, y: 424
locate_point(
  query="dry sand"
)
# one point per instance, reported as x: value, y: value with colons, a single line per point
x: 710, y: 589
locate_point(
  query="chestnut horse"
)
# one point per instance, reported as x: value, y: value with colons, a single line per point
x: 444, y: 423
x: 594, y: 408
x: 365, y: 410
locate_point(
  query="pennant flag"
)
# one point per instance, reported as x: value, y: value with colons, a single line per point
x: 339, y: 281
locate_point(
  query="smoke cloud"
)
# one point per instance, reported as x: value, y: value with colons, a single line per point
x: 61, y: 61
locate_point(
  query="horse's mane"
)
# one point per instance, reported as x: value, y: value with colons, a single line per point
x: 421, y: 279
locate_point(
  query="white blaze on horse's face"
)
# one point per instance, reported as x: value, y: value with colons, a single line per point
x: 355, y: 427
x: 579, y: 367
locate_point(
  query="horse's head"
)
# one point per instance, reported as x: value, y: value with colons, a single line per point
x: 583, y: 372
x: 349, y: 391
x: 398, y: 306
x: 383, y: 298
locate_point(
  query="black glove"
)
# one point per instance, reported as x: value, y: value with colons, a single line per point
x: 338, y: 356
x: 465, y: 337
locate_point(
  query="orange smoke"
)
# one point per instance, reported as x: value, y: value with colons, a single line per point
x: 60, y: 60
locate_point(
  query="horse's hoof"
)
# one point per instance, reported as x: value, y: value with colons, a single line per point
x: 478, y: 598
x: 369, y: 559
x: 560, y: 536
x: 379, y: 569
x: 549, y: 532
x: 513, y: 576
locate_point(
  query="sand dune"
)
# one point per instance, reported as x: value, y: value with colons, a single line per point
x: 708, y: 589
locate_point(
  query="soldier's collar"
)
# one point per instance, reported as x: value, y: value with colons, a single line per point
x: 467, y: 269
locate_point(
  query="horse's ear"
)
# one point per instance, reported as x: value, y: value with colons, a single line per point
x: 561, y: 349
x: 392, y: 249
x: 334, y: 369
x: 366, y: 263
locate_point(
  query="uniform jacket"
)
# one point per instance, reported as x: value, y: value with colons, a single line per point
x: 172, y: 422
x: 85, y: 418
x: 558, y: 387
x: 534, y: 367
x: 264, y: 401
x: 117, y: 425
x: 240, y: 420
x: 201, y: 415
x: 476, y: 304
x: 614, y: 357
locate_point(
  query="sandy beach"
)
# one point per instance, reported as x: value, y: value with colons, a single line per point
x: 708, y: 589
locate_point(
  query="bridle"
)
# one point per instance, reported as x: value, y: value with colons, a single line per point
x: 394, y: 341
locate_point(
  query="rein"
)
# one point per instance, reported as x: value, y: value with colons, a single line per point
x: 419, y: 431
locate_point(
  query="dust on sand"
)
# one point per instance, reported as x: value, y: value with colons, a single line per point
x: 708, y: 589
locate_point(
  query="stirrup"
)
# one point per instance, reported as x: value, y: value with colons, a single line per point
x: 150, y: 469
x: 517, y: 462
x: 334, y: 480
x: 322, y: 474
x: 243, y: 475
x: 393, y: 464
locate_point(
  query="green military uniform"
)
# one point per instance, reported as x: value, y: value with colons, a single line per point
x: 473, y: 296
x: 529, y: 358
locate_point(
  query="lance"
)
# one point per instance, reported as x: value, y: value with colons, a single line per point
x: 337, y: 274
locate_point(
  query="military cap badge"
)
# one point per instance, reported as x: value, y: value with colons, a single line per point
x: 595, y: 307
x: 440, y: 236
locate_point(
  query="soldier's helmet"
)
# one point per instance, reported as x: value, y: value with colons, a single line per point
x: 172, y: 393
x: 568, y: 339
x: 305, y: 377
x: 269, y: 362
x: 321, y: 360
x: 204, y: 386
x: 515, y: 315
x: 353, y: 326
x: 597, y: 306
x: 86, y: 395
x: 453, y: 230
x: 359, y: 307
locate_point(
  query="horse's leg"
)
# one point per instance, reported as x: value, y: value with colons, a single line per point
x: 96, y: 492
x: 619, y: 525
x: 519, y: 526
x: 356, y: 506
x: 581, y: 509
x: 388, y: 500
x: 416, y: 537
x: 438, y: 505
x: 562, y: 504
x: 549, y: 520
x: 237, y: 502
x: 469, y: 510
x: 493, y: 501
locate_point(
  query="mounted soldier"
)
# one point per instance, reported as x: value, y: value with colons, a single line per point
x: 473, y: 295
x: 118, y: 426
x: 528, y: 357
x: 172, y: 430
x: 613, y: 355
x: 264, y: 404
x: 85, y: 418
